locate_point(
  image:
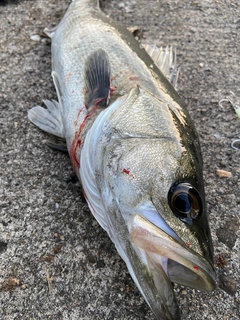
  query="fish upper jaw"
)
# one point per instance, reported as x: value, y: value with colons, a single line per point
x: 183, y: 265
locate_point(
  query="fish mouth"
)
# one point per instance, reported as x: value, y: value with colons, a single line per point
x: 181, y: 264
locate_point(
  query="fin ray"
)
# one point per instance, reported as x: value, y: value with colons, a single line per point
x: 97, y: 79
x: 50, y: 119
x: 165, y: 60
x: 58, y: 90
x: 59, y: 145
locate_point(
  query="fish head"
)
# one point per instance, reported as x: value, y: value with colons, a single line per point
x: 153, y: 168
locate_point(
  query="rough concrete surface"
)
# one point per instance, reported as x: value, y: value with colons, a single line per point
x: 55, y: 260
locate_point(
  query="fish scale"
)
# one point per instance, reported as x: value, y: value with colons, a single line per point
x: 134, y: 149
x: 76, y: 37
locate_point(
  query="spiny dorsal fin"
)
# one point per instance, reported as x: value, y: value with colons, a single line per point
x: 97, y: 79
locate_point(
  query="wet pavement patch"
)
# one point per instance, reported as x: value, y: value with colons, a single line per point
x: 5, y: 2
x: 228, y: 284
x: 228, y: 233
x: 3, y: 246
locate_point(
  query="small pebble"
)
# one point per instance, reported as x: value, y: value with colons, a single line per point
x: 35, y: 37
x: 223, y: 173
x: 121, y: 5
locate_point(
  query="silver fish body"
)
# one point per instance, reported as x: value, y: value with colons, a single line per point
x: 135, y: 151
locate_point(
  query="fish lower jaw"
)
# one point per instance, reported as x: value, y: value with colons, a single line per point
x: 180, y: 263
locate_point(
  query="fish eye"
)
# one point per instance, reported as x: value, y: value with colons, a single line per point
x: 185, y: 201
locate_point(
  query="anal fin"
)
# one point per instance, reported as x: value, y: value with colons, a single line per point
x: 165, y: 60
x: 58, y: 144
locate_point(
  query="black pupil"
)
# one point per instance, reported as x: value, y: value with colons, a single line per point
x: 183, y: 203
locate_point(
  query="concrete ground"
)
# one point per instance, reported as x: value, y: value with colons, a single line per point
x: 55, y: 260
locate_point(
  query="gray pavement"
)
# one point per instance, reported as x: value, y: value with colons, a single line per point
x: 55, y: 260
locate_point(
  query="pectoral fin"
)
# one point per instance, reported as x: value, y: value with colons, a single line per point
x: 97, y: 79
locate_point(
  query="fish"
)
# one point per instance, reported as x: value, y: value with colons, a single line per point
x: 135, y: 150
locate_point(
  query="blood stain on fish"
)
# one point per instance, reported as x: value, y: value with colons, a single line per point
x: 127, y: 172
x: 77, y: 141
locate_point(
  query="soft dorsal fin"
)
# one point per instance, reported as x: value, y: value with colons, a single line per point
x: 97, y: 79
x: 165, y: 60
